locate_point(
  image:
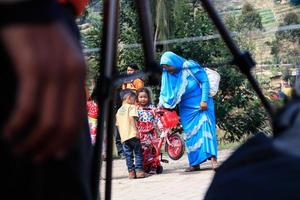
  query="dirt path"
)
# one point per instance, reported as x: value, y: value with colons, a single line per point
x: 172, y: 184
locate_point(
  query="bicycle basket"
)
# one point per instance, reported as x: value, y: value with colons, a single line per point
x: 169, y: 119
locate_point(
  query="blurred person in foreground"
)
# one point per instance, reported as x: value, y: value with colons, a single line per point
x: 44, y: 138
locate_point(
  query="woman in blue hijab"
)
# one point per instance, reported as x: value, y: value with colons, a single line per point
x: 196, y: 108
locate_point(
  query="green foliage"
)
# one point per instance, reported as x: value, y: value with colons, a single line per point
x: 249, y: 19
x: 91, y: 38
x: 238, y: 110
x: 162, y: 23
x: 285, y: 47
x: 129, y: 34
x: 292, y: 36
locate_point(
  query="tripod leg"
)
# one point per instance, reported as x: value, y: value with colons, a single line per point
x: 151, y: 65
x: 103, y: 88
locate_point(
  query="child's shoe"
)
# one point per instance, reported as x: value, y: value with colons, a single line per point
x: 131, y: 174
x: 140, y: 174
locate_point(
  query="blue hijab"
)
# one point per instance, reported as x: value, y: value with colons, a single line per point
x: 171, y: 84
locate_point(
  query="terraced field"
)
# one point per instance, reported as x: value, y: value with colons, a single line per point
x: 230, y: 5
x: 268, y: 18
x: 281, y: 11
x: 272, y: 14
x: 267, y: 15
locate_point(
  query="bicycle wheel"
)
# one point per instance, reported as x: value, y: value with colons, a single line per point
x: 176, y: 150
x: 159, y: 169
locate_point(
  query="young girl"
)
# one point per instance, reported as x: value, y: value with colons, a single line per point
x: 145, y: 125
x: 146, y: 117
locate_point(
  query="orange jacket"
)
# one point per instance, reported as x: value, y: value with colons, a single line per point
x: 134, y: 85
x: 79, y: 5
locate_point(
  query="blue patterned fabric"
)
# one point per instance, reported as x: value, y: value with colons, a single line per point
x: 180, y: 88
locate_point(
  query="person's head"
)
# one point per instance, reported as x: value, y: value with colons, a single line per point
x: 171, y: 62
x: 128, y: 96
x: 131, y: 68
x: 143, y: 97
x: 93, y: 96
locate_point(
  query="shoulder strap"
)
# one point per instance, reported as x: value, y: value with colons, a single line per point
x: 191, y: 73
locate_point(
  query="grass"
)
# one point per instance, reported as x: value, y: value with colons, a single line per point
x: 222, y: 144
x: 229, y: 145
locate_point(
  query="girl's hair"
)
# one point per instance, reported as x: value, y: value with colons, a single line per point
x: 133, y: 66
x: 147, y: 91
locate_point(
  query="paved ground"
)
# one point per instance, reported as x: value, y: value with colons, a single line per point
x: 172, y: 184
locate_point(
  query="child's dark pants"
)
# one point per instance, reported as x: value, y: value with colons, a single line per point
x: 130, y: 146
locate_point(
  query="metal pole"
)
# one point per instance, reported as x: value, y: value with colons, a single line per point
x: 151, y: 66
x: 242, y: 59
x: 109, y: 160
x: 104, y: 96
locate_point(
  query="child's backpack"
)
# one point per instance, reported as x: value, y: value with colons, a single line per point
x: 213, y: 78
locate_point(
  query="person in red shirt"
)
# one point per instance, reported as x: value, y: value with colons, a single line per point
x: 45, y: 149
x: 93, y: 111
x: 78, y: 5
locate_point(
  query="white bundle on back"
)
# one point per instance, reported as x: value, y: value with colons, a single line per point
x: 214, y: 81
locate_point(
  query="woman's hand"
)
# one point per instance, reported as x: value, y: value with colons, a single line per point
x: 203, y: 105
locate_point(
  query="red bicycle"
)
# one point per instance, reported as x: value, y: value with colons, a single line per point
x: 169, y: 128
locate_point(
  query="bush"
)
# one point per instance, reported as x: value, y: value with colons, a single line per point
x: 238, y: 110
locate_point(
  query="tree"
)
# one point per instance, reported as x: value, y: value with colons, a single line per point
x: 292, y: 36
x: 250, y: 19
x: 238, y: 109
x: 90, y: 29
x: 129, y: 34
x: 161, y: 15
x: 285, y: 46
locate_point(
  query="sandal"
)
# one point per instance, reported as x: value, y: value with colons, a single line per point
x: 192, y: 169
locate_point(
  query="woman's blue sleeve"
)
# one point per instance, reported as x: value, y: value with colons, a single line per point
x: 203, y: 79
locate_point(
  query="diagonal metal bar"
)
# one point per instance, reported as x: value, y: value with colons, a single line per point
x: 151, y: 66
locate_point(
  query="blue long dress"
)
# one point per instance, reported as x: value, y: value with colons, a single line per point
x: 181, y: 88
